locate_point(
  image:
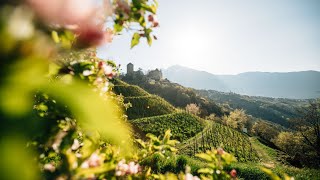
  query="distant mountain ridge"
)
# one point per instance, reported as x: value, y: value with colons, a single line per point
x: 294, y: 85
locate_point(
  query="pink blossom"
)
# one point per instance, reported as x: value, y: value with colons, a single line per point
x: 81, y: 16
x: 93, y: 161
x: 233, y: 173
x: 75, y: 145
x: 126, y: 169
x: 87, y: 72
x: 99, y: 80
x: 133, y: 168
x: 220, y: 151
x: 85, y: 165
x: 91, y: 35
x: 49, y: 167
x: 124, y: 6
x: 150, y: 18
x: 191, y: 177
x: 108, y: 36
x: 63, y: 11
x: 107, y: 69
x: 105, y: 88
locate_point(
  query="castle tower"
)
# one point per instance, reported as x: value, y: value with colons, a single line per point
x: 130, y: 68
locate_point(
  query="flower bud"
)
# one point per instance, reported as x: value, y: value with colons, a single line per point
x: 233, y: 173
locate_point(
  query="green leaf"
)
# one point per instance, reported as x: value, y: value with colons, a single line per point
x: 149, y: 39
x: 270, y: 173
x: 154, y: 8
x: 143, y: 144
x: 69, y: 35
x: 118, y: 28
x: 148, y: 31
x: 205, y: 171
x: 156, y: 3
x: 172, y: 149
x: 55, y: 37
x: 149, y: 8
x: 204, y: 156
x: 136, y: 3
x: 135, y: 40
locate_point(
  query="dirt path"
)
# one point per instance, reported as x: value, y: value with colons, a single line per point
x: 265, y: 153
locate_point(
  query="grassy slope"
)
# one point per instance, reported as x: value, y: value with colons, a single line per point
x: 143, y: 103
x: 148, y: 106
x: 251, y: 170
x: 152, y: 114
x: 175, y: 94
x: 269, y: 158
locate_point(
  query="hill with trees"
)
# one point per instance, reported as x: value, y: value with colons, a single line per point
x: 277, y: 110
x: 177, y: 95
x: 151, y: 114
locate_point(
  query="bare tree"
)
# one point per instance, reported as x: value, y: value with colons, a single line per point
x: 193, y: 109
x: 309, y: 125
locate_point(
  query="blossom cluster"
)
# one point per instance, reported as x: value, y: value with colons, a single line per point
x: 127, y: 169
x: 191, y: 177
x: 85, y: 18
x: 93, y: 161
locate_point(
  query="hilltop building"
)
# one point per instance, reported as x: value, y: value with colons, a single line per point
x: 130, y: 68
x: 155, y: 74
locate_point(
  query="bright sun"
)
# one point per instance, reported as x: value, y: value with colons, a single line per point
x: 190, y: 43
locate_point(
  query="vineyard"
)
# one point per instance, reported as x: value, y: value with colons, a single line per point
x: 152, y: 114
x: 129, y: 90
x: 147, y: 106
x: 182, y: 125
x: 217, y: 135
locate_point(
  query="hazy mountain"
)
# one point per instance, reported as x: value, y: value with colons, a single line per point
x: 297, y: 85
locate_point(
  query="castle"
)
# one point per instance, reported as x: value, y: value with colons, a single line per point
x: 153, y: 74
x: 130, y: 69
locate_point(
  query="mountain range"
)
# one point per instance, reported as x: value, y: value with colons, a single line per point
x: 294, y: 85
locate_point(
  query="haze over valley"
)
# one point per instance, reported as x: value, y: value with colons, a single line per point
x: 294, y: 85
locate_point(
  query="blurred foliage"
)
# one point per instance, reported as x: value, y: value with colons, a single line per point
x: 55, y: 98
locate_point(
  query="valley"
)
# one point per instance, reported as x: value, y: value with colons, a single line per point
x: 200, y: 133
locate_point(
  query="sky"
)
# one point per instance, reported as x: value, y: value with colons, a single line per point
x: 228, y: 37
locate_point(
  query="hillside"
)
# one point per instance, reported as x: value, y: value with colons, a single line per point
x: 152, y: 114
x: 197, y: 135
x: 217, y: 135
x: 177, y: 95
x: 276, y: 110
x: 295, y: 85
